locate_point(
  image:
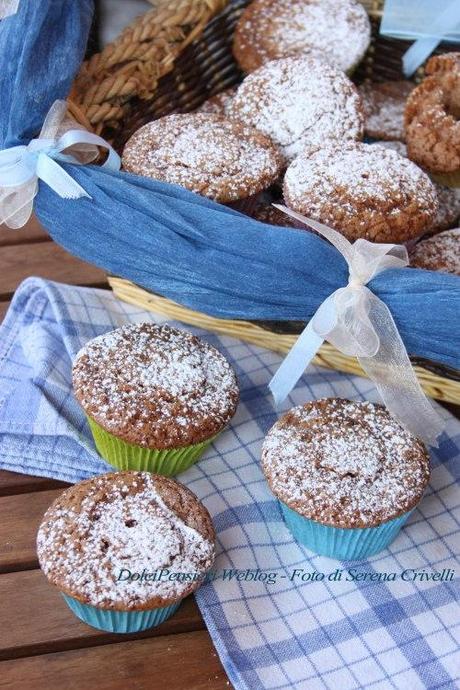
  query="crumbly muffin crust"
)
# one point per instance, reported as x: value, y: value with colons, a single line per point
x: 438, y: 253
x: 301, y: 103
x: 125, y: 520
x: 271, y: 29
x: 432, y: 114
x: 362, y: 190
x: 206, y: 153
x: 383, y: 105
x: 155, y: 386
x: 344, y: 464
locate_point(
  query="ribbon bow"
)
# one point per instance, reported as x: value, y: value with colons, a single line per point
x: 427, y: 21
x: 359, y: 324
x: 22, y: 166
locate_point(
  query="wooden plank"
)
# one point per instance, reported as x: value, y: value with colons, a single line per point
x: 173, y: 662
x: 20, y: 517
x: 15, y: 483
x: 36, y: 620
x: 3, y: 309
x: 31, y: 232
x: 47, y: 260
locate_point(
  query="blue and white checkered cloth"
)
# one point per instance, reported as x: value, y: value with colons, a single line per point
x: 324, y: 635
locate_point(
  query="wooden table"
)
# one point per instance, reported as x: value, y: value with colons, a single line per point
x: 43, y: 646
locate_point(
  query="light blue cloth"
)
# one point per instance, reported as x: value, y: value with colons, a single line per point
x: 323, y: 635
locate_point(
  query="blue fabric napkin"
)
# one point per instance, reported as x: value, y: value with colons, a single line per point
x: 277, y: 626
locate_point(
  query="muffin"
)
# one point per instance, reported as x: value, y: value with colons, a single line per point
x: 206, y: 153
x: 270, y: 29
x: 301, y: 103
x: 448, y: 211
x: 363, y: 191
x: 219, y: 103
x: 383, y: 105
x: 346, y: 474
x: 438, y: 253
x: 155, y: 397
x: 432, y: 121
x: 125, y: 548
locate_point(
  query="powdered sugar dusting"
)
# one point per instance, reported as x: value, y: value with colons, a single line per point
x: 271, y: 29
x: 343, y: 463
x: 155, y: 386
x: 362, y: 190
x: 300, y: 103
x: 206, y: 153
x: 439, y: 253
x: 84, y: 546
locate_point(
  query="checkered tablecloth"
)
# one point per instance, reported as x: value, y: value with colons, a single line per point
x: 271, y: 628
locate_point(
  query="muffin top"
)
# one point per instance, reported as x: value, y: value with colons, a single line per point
x: 301, y: 103
x: 270, y: 29
x: 123, y: 521
x: 344, y: 463
x: 438, y: 253
x: 362, y: 190
x: 383, y: 105
x: 206, y: 153
x: 155, y: 386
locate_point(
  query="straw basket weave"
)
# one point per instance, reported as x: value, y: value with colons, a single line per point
x: 173, y: 58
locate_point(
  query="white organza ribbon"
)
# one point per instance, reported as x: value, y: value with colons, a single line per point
x: 22, y: 166
x: 360, y: 325
x: 422, y: 48
x: 8, y: 7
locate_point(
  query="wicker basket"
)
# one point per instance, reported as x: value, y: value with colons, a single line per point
x: 171, y: 60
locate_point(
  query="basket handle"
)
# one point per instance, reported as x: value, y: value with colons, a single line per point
x: 132, y: 65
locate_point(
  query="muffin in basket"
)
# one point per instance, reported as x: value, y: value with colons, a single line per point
x: 346, y: 474
x: 155, y: 396
x: 301, y: 103
x: 363, y: 191
x: 270, y: 29
x: 125, y: 548
x: 219, y: 158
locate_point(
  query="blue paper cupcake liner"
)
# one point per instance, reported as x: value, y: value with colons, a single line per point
x: 119, y: 621
x: 343, y: 544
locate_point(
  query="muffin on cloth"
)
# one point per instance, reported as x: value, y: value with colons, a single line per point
x: 383, y: 105
x: 155, y: 396
x: 432, y: 121
x: 206, y: 153
x: 438, y: 253
x: 362, y: 190
x: 448, y: 198
x: 99, y: 531
x: 346, y: 474
x: 301, y: 103
x: 219, y: 103
x: 271, y: 29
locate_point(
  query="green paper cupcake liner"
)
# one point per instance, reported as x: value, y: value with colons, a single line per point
x: 344, y: 544
x: 125, y: 456
x: 119, y: 621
